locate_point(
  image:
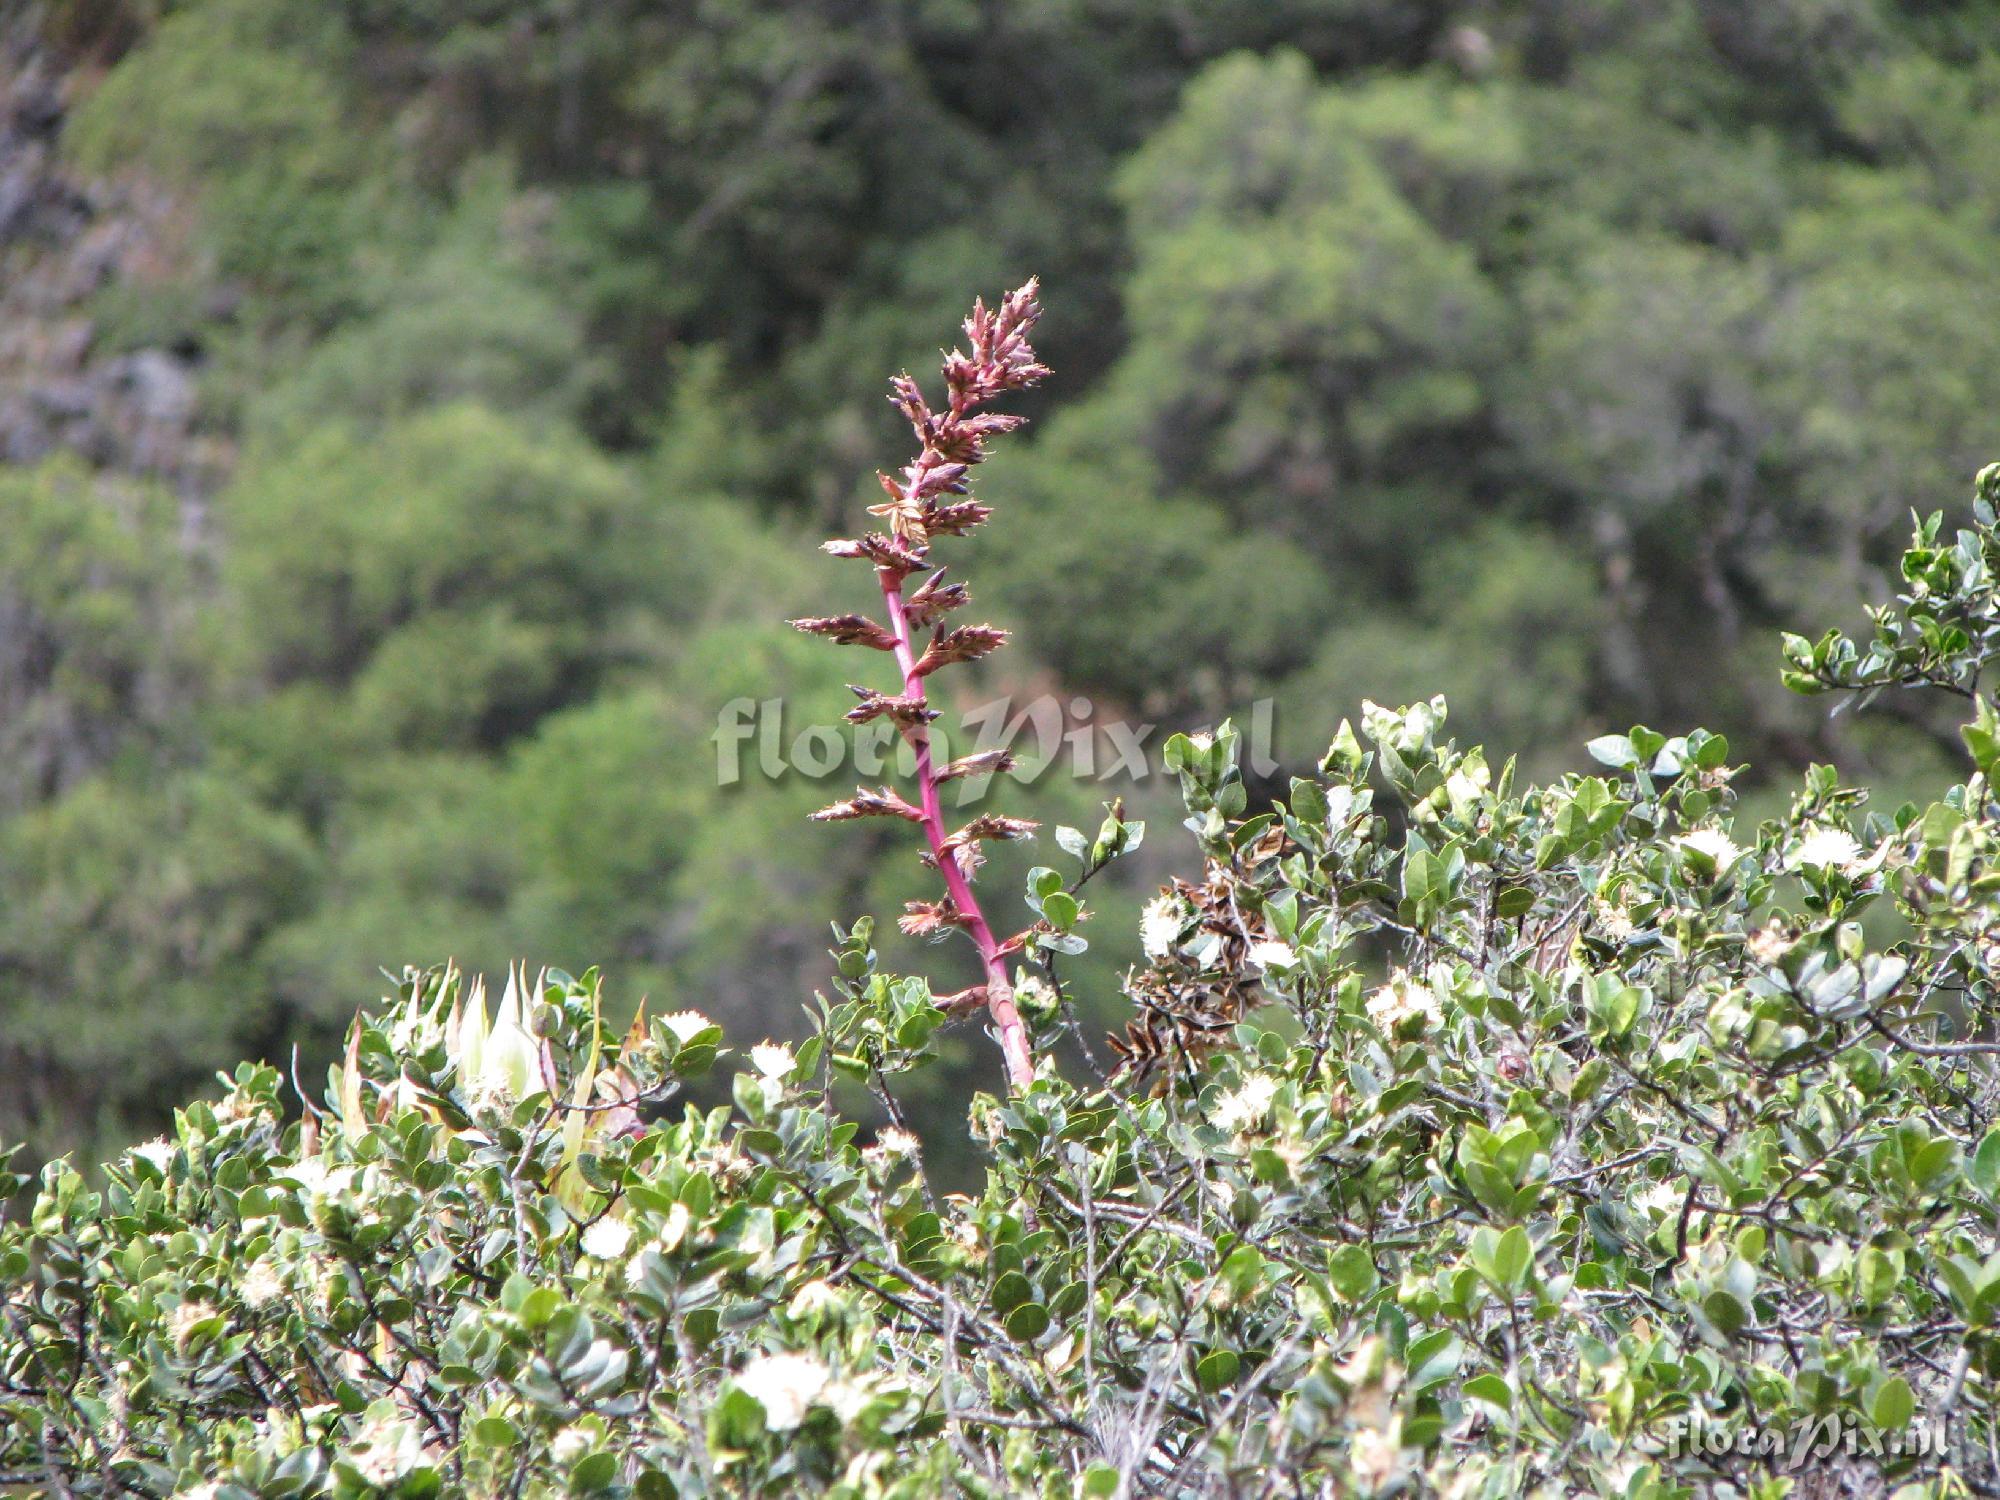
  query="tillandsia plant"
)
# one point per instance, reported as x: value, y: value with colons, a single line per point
x: 931, y: 497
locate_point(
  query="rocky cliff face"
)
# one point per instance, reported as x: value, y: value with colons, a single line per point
x: 90, y: 637
x: 63, y: 241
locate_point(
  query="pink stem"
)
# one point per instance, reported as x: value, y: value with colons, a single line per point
x: 999, y: 993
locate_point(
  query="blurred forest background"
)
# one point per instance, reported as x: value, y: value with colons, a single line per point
x: 417, y: 418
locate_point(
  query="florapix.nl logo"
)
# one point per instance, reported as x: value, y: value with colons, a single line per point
x: 1814, y: 1442
x: 1050, y: 734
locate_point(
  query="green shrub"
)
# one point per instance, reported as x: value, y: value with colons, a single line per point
x: 1467, y: 1137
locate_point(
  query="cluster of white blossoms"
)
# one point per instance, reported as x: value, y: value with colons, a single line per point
x: 678, y: 1219
x: 1403, y: 999
x: 1659, y: 1197
x: 892, y: 1145
x: 607, y: 1239
x: 686, y: 1025
x: 159, y: 1152
x: 1271, y: 955
x: 1713, y: 844
x: 1614, y: 922
x: 1245, y: 1106
x: 263, y: 1283
x: 1160, y: 925
x: 785, y: 1385
x: 184, y: 1319
x: 1376, y: 1456
x: 1826, y: 849
x: 387, y: 1446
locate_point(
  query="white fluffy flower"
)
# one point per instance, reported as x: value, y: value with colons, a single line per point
x: 1660, y: 1197
x: 1273, y: 955
x: 1826, y: 848
x: 570, y: 1444
x: 1400, y: 1000
x: 846, y: 1399
x: 607, y: 1239
x: 262, y: 1284
x: 784, y: 1385
x: 1160, y: 925
x: 1715, y: 844
x: 635, y: 1268
x: 385, y: 1449
x: 1245, y: 1106
x: 159, y: 1151
x: 318, y: 1182
x: 379, y: 1466
x: 686, y: 1024
x: 897, y: 1144
x: 1768, y: 943
x: 1375, y: 1457
x: 184, y: 1319
x: 772, y: 1060
x: 309, y: 1173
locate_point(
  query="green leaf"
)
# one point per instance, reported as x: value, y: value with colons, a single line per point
x: 1875, y: 1276
x: 1099, y: 1482
x: 1726, y: 1312
x: 593, y: 1472
x: 1433, y: 1359
x: 1984, y: 1168
x: 1308, y: 802
x: 1027, y: 1322
x: 1892, y: 1405
x: 1513, y: 1257
x: 1010, y: 1291
x: 1352, y: 1271
x: 1243, y: 1271
x: 1217, y: 1370
x: 1426, y: 884
x: 1614, y: 750
x: 1982, y: 738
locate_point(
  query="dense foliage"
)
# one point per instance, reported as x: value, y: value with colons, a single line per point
x: 1642, y: 1170
x: 407, y: 412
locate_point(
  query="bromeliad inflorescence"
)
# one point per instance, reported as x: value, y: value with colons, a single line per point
x: 930, y: 498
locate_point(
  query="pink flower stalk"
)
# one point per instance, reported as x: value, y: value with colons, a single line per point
x: 929, y: 498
